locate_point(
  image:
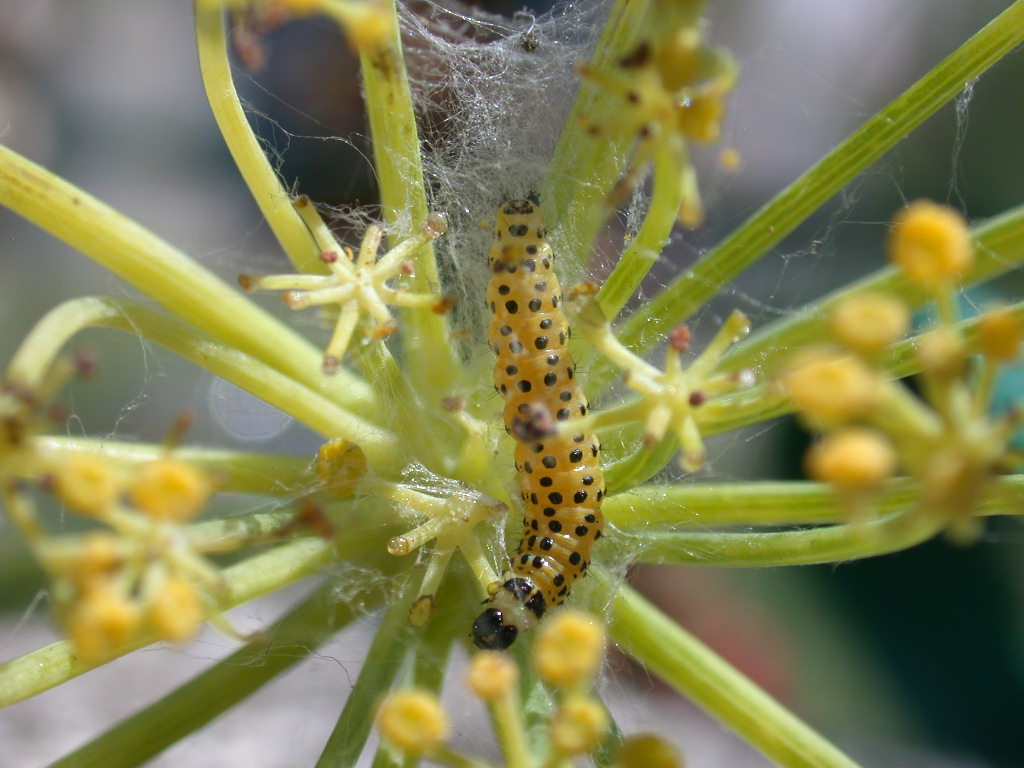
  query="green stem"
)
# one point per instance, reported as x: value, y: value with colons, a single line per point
x: 582, y: 170
x: 396, y: 158
x: 147, y: 733
x: 234, y: 471
x: 1000, y: 247
x: 167, y: 275
x: 757, y: 503
x: 273, y: 200
x: 42, y: 669
x: 645, y: 249
x: 682, y: 661
x: 776, y: 219
x: 40, y: 347
x: 386, y: 653
x: 827, y: 544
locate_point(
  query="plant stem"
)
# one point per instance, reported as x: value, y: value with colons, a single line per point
x: 826, y: 544
x: 678, y: 658
x: 430, y: 361
x: 777, y: 218
x: 273, y: 200
x: 40, y: 347
x: 235, y: 471
x: 167, y: 275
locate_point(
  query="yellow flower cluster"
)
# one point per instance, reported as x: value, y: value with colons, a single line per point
x: 567, y: 655
x: 945, y: 439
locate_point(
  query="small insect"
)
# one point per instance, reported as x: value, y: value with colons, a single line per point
x: 559, y: 476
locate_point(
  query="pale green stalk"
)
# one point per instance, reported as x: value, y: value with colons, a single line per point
x: 273, y: 200
x: 682, y: 661
x: 42, y: 669
x: 40, y: 347
x: 825, y: 544
x: 776, y: 219
x: 167, y: 275
x: 233, y: 471
x: 430, y: 361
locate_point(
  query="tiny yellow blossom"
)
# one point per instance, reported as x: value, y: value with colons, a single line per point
x: 870, y: 322
x: 96, y: 560
x: 701, y: 119
x: 1000, y: 333
x: 413, y: 721
x: 942, y: 353
x: 340, y: 465
x: 175, y: 610
x: 648, y: 750
x: 492, y: 675
x: 569, y: 648
x: 730, y: 159
x: 100, y: 622
x: 578, y: 726
x: 86, y: 483
x: 854, y: 458
x: 169, y: 489
x: 930, y: 243
x: 831, y: 388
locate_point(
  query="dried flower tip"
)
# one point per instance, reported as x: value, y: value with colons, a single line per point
x: 340, y: 466
x: 679, y: 338
x: 648, y: 750
x: 855, y: 458
x: 930, y: 243
x: 1000, y: 333
x: 86, y: 483
x: 169, y: 489
x: 175, y: 610
x: 870, y: 322
x: 492, y: 675
x: 413, y: 721
x: 831, y: 388
x: 569, y: 648
x: 942, y: 354
x: 100, y: 623
x: 578, y: 726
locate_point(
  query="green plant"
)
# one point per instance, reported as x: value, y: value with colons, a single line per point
x: 396, y: 457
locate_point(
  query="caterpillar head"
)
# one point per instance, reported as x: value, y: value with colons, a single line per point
x: 490, y: 632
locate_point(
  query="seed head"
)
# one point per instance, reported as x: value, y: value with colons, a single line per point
x: 413, y: 721
x: 569, y: 648
x: 176, y: 610
x: 931, y: 244
x: 831, y: 388
x: 86, y: 483
x: 169, y: 489
x: 578, y: 726
x: 854, y: 458
x: 100, y: 622
x: 492, y: 675
x: 870, y: 322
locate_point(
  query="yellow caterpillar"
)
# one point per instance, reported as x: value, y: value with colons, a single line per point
x: 559, y: 477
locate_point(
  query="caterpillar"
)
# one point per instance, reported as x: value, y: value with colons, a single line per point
x: 559, y: 477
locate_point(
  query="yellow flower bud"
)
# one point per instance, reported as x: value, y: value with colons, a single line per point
x: 942, y: 353
x: 1000, y: 333
x: 855, y: 458
x: 86, y: 483
x: 492, y: 675
x: 831, y: 388
x: 340, y: 465
x: 578, y: 726
x: 169, y: 489
x: 648, y: 750
x: 870, y: 322
x: 930, y: 243
x: 175, y: 610
x: 569, y: 648
x: 701, y: 119
x: 96, y: 560
x: 413, y: 721
x: 100, y: 622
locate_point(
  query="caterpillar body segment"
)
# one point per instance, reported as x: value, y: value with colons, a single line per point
x: 560, y: 479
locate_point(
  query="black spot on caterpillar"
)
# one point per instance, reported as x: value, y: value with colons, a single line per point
x: 534, y: 373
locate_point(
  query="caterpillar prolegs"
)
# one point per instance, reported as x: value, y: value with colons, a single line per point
x: 559, y: 477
